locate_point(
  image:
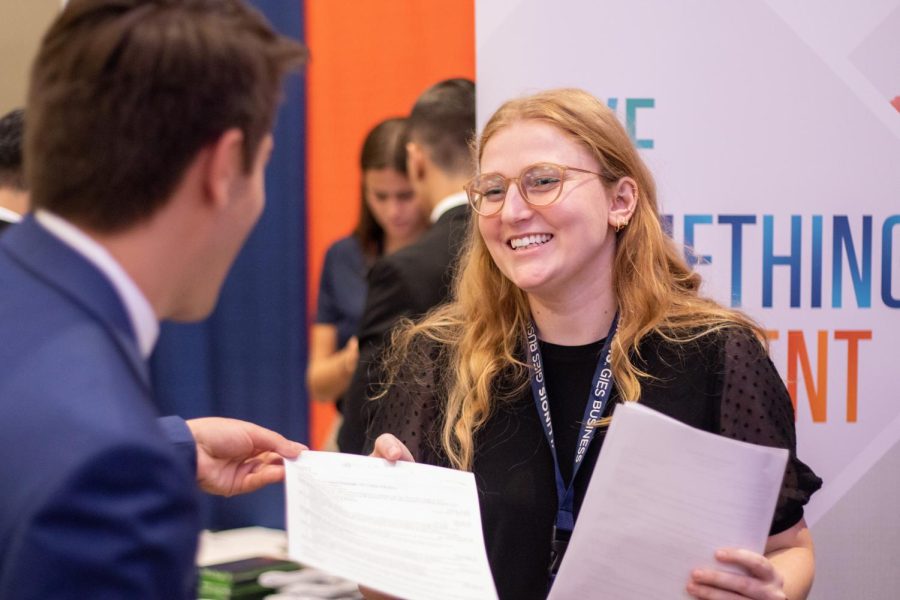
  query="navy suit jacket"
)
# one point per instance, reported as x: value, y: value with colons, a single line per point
x: 95, y: 500
x: 4, y: 224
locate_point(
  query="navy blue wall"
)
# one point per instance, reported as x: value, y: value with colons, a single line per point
x: 248, y: 359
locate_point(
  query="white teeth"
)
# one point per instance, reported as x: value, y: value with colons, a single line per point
x: 529, y: 240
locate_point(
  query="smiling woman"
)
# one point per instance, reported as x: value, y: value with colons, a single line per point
x: 556, y: 241
x: 569, y: 277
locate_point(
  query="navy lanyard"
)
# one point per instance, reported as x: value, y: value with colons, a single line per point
x: 595, y: 408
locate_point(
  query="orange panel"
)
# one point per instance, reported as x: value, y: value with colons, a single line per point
x: 370, y: 59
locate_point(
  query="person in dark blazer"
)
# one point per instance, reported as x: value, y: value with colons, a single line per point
x: 13, y: 195
x: 417, y: 278
x: 145, y: 163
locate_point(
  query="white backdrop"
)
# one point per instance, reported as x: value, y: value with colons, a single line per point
x: 770, y: 130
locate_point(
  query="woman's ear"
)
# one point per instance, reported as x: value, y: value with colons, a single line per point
x: 625, y: 195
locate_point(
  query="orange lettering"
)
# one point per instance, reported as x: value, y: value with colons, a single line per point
x: 852, y: 338
x: 817, y: 393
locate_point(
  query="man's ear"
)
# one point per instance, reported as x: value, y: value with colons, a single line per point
x: 224, y: 166
x: 415, y: 161
x: 623, y: 201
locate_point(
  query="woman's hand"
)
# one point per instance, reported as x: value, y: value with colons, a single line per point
x: 786, y: 570
x: 350, y: 355
x: 761, y: 581
x: 370, y: 594
x: 387, y: 446
x: 330, y: 368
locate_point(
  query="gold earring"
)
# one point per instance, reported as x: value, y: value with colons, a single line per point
x: 621, y: 224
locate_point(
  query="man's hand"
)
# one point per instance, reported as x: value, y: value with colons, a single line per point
x: 236, y: 457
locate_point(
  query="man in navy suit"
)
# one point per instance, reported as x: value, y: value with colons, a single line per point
x: 147, y: 138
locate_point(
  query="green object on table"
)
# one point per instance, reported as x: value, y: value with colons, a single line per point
x: 237, y: 579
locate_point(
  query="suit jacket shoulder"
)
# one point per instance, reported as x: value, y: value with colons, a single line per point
x: 414, y: 279
x: 97, y: 501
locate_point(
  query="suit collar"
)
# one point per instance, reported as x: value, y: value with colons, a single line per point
x: 143, y: 320
x: 9, y: 216
x: 454, y: 213
x: 450, y: 202
x: 60, y: 267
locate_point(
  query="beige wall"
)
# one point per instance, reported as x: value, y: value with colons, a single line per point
x: 22, y: 23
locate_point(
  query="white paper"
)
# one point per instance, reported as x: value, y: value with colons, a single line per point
x: 236, y: 544
x: 413, y: 531
x: 662, y: 499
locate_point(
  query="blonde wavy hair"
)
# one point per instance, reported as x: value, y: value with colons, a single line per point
x: 480, y: 332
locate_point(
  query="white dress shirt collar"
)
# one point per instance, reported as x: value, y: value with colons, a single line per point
x: 9, y: 216
x: 451, y: 201
x: 143, y: 320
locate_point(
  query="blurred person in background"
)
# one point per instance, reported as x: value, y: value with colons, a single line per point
x: 391, y: 218
x: 417, y: 278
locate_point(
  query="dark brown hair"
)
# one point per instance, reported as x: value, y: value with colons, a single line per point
x: 12, y: 125
x: 124, y: 93
x: 383, y: 148
x: 443, y: 122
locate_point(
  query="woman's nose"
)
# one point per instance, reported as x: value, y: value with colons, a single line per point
x: 393, y: 208
x: 515, y: 208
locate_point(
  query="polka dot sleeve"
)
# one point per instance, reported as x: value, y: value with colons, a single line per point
x: 411, y: 408
x: 756, y: 408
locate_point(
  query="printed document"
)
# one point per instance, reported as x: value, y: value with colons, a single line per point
x: 662, y: 499
x: 413, y: 531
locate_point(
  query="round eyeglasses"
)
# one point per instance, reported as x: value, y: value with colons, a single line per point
x: 540, y: 185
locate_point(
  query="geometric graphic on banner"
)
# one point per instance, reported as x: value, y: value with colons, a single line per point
x: 876, y: 57
x: 860, y: 43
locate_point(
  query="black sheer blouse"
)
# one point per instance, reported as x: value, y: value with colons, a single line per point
x: 723, y: 383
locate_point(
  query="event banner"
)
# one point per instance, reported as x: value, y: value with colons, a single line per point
x: 773, y: 131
